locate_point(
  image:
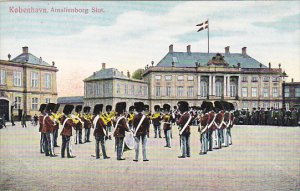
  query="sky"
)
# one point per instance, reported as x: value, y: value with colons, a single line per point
x: 129, y: 35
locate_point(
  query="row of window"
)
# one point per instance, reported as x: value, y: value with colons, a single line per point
x: 98, y: 89
x: 179, y: 93
x: 34, y: 79
x: 34, y: 102
x: 254, y: 104
x: 287, y: 92
x: 169, y: 78
x: 265, y: 92
x: 265, y: 79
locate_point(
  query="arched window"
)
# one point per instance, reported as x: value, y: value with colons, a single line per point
x: 218, y: 88
x: 203, y: 88
x: 233, y: 87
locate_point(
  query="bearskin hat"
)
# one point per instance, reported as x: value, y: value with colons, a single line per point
x: 131, y: 108
x: 50, y: 107
x: 139, y: 106
x: 68, y: 109
x: 108, y: 108
x: 78, y: 108
x: 157, y: 108
x: 166, y: 107
x: 183, y: 106
x: 86, y: 109
x: 42, y: 107
x: 97, y: 109
x: 175, y: 107
x: 146, y: 107
x: 120, y: 107
x: 56, y: 108
x: 218, y: 105
x: 231, y: 106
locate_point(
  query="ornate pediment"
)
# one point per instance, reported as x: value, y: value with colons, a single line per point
x: 217, y: 60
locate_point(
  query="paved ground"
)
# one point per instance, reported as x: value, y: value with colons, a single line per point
x: 261, y: 158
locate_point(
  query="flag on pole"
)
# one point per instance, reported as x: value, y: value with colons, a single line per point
x: 202, y: 26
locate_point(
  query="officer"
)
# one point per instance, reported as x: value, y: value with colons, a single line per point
x: 167, y: 124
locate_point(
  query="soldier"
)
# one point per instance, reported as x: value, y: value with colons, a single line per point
x: 100, y: 132
x: 24, y: 118
x: 107, y: 115
x: 141, y: 124
x: 120, y: 124
x: 48, y: 129
x: 43, y: 136
x: 66, y: 133
x: 87, y: 121
x: 294, y: 117
x: 203, y: 128
x: 156, y: 118
x: 225, y: 124
x: 56, y: 126
x: 218, y: 133
x: 79, y: 125
x: 130, y: 116
x: 184, y: 128
x: 167, y: 125
x: 231, y: 122
x: 248, y: 117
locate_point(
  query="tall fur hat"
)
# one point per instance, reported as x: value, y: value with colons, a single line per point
x: 166, y: 107
x: 108, y: 108
x: 157, y: 108
x: 56, y: 108
x: 86, y: 109
x: 68, y: 109
x: 97, y: 109
x: 42, y: 107
x: 78, y: 108
x: 139, y: 106
x: 183, y: 106
x: 50, y: 107
x: 120, y: 107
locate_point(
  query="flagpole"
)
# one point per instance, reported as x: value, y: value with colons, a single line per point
x: 207, y: 36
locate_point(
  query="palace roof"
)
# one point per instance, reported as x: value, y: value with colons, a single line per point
x: 30, y: 58
x: 188, y: 59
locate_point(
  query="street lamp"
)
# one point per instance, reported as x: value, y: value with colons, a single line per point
x: 283, y: 75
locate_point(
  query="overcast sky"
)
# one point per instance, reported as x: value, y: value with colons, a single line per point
x: 129, y: 35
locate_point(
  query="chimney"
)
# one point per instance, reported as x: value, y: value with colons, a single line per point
x: 25, y: 49
x: 188, y: 49
x: 103, y: 66
x: 152, y: 63
x: 171, y: 48
x: 53, y: 63
x: 122, y: 73
x: 128, y: 74
x: 244, y: 51
x: 292, y: 80
x: 227, y: 49
x: 269, y: 65
x: 9, y: 56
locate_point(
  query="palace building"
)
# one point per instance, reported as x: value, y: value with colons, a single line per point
x: 193, y: 77
x: 26, y: 82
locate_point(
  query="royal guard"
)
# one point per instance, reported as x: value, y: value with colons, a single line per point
x: 48, y: 129
x: 87, y: 121
x: 120, y: 126
x: 211, y: 125
x: 217, y: 134
x: 141, y: 124
x: 167, y: 124
x: 184, y: 123
x: 100, y: 132
x: 43, y: 135
x: 66, y: 133
x: 108, y: 116
x: 130, y: 116
x: 55, y: 116
x: 231, y: 122
x: 156, y: 118
x: 79, y: 125
x: 225, y: 124
x: 203, y: 127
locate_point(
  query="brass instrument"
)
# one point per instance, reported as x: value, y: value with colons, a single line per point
x: 56, y: 117
x: 130, y: 118
x: 155, y: 116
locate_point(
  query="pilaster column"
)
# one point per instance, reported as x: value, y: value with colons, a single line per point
x: 228, y: 85
x: 210, y: 85
x: 199, y: 85
x: 239, y: 86
x: 224, y: 86
x: 213, y: 85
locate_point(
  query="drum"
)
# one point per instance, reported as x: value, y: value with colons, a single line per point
x: 129, y: 140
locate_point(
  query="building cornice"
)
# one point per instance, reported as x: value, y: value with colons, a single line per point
x: 28, y: 65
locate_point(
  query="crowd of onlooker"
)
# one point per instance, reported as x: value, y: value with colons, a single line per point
x: 269, y: 116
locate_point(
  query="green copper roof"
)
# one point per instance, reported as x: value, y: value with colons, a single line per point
x: 30, y: 58
x: 185, y: 59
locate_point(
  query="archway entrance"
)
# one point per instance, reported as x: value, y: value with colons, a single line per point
x: 4, y: 109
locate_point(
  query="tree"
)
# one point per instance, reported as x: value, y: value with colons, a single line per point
x: 138, y: 74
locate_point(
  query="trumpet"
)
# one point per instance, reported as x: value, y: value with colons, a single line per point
x: 155, y: 116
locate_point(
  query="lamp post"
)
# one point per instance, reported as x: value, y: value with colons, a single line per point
x: 283, y: 76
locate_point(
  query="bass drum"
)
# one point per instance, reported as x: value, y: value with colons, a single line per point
x: 129, y: 141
